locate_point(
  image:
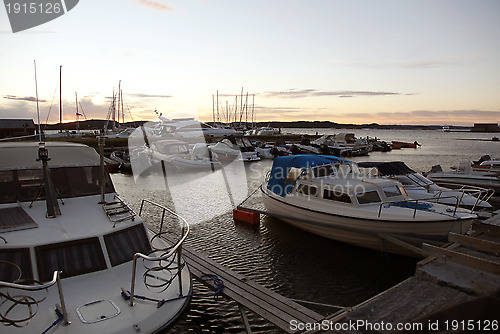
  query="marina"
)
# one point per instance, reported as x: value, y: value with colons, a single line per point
x: 275, y: 277
x: 232, y: 167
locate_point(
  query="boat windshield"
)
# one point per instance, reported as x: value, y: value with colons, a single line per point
x: 324, y: 170
x: 172, y: 148
x: 368, y: 197
x: 26, y: 185
x: 391, y: 191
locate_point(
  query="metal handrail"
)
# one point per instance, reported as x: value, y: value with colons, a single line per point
x: 55, y: 280
x: 177, y: 248
x: 131, y: 215
x: 472, y: 190
x: 420, y: 200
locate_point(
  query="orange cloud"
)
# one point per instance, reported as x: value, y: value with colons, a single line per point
x: 156, y: 5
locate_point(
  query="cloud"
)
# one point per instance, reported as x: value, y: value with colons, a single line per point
x: 292, y: 93
x: 156, y: 5
x: 26, y: 98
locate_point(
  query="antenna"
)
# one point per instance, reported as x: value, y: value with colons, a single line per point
x: 37, y: 108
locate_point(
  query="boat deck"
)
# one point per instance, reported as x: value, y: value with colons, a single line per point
x: 273, y: 307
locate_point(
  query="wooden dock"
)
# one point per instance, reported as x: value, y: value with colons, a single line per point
x: 460, y: 282
x: 275, y: 308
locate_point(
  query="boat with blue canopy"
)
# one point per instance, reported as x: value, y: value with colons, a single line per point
x: 330, y: 197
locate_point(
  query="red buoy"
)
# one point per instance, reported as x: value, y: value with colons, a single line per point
x: 246, y: 217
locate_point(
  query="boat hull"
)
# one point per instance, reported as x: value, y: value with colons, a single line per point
x: 358, y: 231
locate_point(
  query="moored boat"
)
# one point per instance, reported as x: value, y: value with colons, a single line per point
x: 464, y: 175
x: 235, y: 147
x: 419, y: 187
x: 402, y: 144
x: 91, y: 265
x: 178, y: 153
x: 328, y: 196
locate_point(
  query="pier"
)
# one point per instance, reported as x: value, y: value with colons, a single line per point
x: 464, y: 274
x: 273, y: 307
x: 458, y: 283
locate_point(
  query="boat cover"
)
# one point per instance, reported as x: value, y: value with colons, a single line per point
x: 388, y: 168
x: 282, y: 165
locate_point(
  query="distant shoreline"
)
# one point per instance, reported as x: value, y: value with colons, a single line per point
x: 96, y: 124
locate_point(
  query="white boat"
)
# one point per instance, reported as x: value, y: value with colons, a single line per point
x: 189, y: 127
x: 125, y: 133
x: 343, y: 141
x: 328, y: 196
x: 235, y: 147
x: 464, y: 175
x: 263, y: 131
x: 89, y: 266
x: 178, y: 153
x: 487, y: 165
x: 419, y: 187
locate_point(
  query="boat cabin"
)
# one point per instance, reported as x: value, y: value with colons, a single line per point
x: 170, y: 147
x: 83, y: 237
x: 330, y: 179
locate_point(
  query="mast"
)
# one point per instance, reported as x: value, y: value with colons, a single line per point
x: 114, y: 112
x: 213, y: 110
x: 123, y: 110
x: 241, y: 105
x: 37, y: 108
x: 218, y: 117
x: 246, y: 111
x: 253, y: 106
x: 60, y: 99
x: 77, y: 114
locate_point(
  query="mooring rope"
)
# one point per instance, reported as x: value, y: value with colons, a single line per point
x: 218, y: 282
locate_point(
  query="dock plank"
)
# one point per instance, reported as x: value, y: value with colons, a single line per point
x: 268, y: 304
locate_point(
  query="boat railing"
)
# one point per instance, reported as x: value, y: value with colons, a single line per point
x: 175, y: 250
x: 414, y: 204
x: 29, y: 301
x: 481, y: 194
x: 118, y: 211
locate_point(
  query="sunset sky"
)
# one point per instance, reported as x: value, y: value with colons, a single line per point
x: 356, y: 61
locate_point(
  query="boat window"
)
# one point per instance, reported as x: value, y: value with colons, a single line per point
x: 293, y: 175
x: 391, y: 191
x: 15, y: 264
x: 423, y: 179
x: 7, y: 187
x: 30, y: 184
x: 123, y: 244
x: 336, y: 196
x: 308, y: 190
x: 405, y: 180
x: 27, y: 184
x: 72, y: 258
x: 368, y: 197
x: 246, y: 142
x: 322, y: 171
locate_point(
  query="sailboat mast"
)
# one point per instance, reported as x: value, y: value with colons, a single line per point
x: 114, y: 112
x: 60, y: 99
x: 77, y: 114
x: 213, y: 110
x: 123, y: 110
x: 37, y: 108
x: 218, y: 116
x: 246, y: 111
x: 253, y: 107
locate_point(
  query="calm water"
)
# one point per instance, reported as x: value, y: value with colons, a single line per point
x: 287, y: 260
